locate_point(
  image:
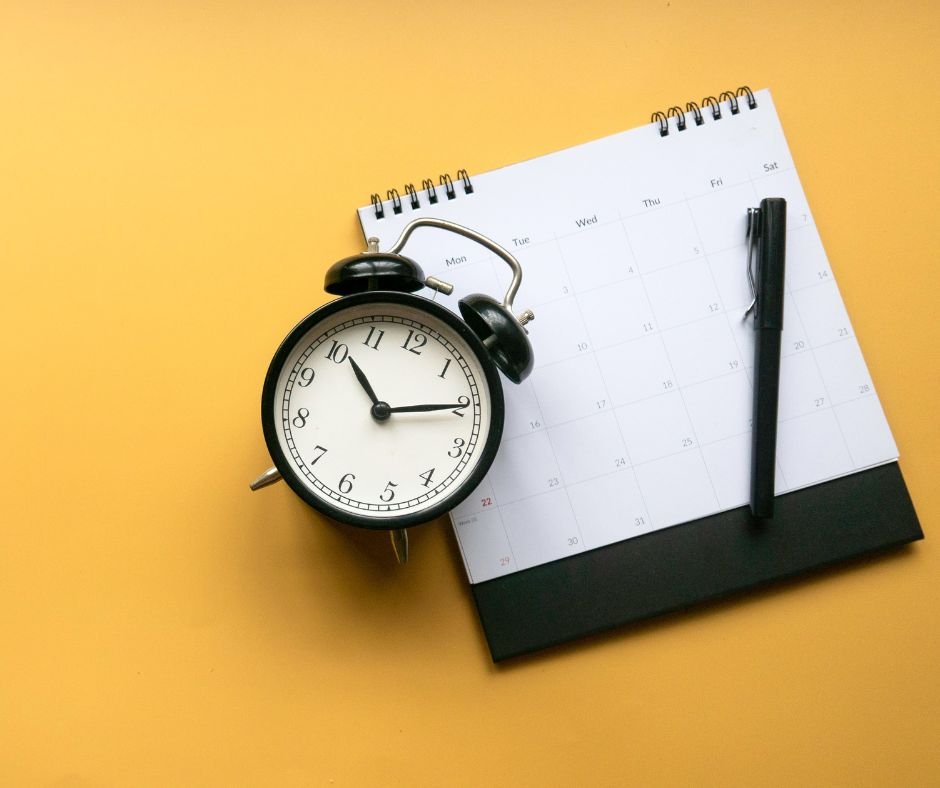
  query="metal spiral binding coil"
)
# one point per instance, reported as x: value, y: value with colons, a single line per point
x: 448, y: 185
x: 744, y: 90
x: 711, y: 101
x: 660, y: 118
x: 428, y: 193
x: 732, y: 99
x: 677, y: 116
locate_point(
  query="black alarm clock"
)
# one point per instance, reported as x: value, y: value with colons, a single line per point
x: 384, y: 409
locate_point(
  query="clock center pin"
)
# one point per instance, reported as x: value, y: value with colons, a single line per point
x: 381, y: 411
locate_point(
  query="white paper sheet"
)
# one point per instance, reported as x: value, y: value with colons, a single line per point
x: 637, y: 415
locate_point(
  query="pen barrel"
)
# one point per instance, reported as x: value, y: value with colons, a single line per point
x: 768, y: 322
x: 764, y: 428
x: 770, y: 268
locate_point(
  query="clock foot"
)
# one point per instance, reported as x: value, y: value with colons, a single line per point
x: 400, y: 544
x: 270, y: 476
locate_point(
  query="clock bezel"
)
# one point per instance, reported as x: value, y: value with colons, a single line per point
x: 488, y: 444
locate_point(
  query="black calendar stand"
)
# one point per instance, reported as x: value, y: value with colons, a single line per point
x: 696, y: 562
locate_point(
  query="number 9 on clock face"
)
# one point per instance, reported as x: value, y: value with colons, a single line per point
x: 382, y: 409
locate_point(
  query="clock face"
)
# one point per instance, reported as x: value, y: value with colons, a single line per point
x: 382, y: 409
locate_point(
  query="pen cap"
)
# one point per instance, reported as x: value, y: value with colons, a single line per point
x: 770, y: 267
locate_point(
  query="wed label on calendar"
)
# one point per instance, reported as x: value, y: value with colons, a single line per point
x: 637, y: 414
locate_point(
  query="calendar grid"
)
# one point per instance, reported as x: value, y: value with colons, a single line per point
x: 726, y: 311
x: 626, y: 448
x: 637, y: 414
x: 829, y: 402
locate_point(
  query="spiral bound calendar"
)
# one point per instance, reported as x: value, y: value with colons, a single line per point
x: 636, y: 417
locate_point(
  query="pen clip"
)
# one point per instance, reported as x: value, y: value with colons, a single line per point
x: 752, y: 235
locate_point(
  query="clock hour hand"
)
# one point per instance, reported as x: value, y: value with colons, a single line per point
x: 363, y: 381
x: 427, y: 408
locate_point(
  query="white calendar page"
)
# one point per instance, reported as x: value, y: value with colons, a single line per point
x: 637, y: 414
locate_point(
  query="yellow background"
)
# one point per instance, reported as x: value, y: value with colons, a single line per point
x: 174, y: 179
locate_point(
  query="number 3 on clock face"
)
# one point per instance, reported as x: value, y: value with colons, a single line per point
x: 382, y: 410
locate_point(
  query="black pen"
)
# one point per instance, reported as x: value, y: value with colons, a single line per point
x: 767, y: 231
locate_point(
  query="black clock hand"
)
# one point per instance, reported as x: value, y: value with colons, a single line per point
x: 360, y: 376
x: 427, y: 408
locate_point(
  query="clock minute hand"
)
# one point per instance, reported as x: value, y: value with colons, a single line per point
x: 364, y: 381
x: 426, y: 408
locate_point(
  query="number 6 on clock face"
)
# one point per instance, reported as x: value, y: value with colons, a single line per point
x: 382, y: 409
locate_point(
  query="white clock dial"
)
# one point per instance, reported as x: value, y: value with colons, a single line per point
x: 382, y: 411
